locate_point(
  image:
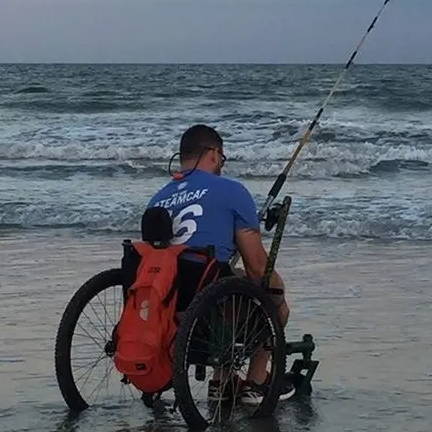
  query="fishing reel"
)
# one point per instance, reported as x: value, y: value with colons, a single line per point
x: 272, y: 216
x: 275, y: 212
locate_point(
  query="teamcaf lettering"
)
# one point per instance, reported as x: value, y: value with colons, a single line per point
x: 182, y: 197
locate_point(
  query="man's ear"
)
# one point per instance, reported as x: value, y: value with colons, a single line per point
x: 214, y: 156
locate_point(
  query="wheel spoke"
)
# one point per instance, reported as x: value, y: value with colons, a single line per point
x: 100, y: 385
x: 90, y: 336
x: 105, y: 309
x: 90, y: 363
x: 93, y: 325
x: 93, y: 365
x: 103, y: 324
x: 130, y: 391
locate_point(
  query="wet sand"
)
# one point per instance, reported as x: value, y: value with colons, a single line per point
x: 367, y: 303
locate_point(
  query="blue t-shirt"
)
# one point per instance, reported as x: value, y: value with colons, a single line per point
x: 207, y: 210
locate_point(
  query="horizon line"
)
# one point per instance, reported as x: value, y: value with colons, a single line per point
x: 211, y: 63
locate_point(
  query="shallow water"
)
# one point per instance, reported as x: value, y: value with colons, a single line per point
x: 368, y: 304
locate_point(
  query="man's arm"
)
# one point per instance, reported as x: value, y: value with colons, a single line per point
x: 251, y: 248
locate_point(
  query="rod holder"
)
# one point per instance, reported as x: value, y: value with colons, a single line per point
x: 277, y: 238
x: 306, y: 347
x: 302, y: 370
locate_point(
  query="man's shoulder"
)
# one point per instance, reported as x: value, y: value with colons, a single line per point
x: 227, y: 182
x: 162, y: 192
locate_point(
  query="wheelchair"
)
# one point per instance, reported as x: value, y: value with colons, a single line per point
x: 218, y: 335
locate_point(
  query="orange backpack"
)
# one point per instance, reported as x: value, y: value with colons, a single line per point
x: 147, y: 327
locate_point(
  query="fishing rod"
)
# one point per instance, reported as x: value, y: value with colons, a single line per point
x: 280, y: 181
x: 277, y: 186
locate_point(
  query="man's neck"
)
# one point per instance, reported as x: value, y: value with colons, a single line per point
x: 191, y: 166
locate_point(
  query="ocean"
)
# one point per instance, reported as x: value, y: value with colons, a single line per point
x: 83, y: 147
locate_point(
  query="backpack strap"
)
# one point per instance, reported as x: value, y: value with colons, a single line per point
x: 169, y: 297
x: 211, y: 273
x: 144, y: 248
x: 206, y: 256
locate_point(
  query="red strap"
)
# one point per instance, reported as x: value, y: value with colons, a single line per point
x: 205, y: 274
x: 178, y: 176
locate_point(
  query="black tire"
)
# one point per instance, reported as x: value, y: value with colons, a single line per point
x: 68, y: 332
x: 198, y: 308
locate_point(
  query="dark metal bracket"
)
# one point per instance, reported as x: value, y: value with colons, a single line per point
x: 302, y: 381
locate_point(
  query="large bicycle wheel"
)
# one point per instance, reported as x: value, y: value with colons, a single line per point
x: 220, y: 333
x: 84, y: 349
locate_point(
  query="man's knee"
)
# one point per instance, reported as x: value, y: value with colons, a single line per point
x: 278, y: 299
x: 283, y: 313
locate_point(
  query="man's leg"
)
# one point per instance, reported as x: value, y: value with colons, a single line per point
x: 258, y: 367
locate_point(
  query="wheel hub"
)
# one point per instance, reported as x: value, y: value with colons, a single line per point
x: 110, y: 348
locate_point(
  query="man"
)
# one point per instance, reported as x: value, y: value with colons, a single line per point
x: 208, y: 209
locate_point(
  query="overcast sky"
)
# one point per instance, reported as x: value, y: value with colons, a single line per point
x: 287, y: 31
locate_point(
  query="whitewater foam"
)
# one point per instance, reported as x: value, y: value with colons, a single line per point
x: 317, y: 217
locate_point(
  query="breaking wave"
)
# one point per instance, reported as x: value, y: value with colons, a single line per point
x: 343, y: 218
x: 318, y: 160
x: 33, y: 90
x: 63, y: 171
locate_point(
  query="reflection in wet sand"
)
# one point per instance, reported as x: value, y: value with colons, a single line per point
x: 368, y: 304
